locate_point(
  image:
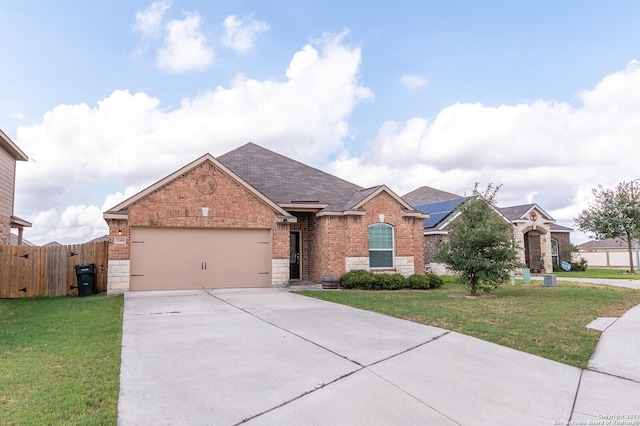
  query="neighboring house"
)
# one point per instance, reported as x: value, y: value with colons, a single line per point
x: 254, y: 218
x: 9, y: 154
x: 542, y: 242
x: 14, y: 241
x: 608, y: 253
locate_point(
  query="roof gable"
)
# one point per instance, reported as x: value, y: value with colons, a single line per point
x: 13, y: 150
x: 121, y: 208
x: 522, y: 212
x: 362, y: 197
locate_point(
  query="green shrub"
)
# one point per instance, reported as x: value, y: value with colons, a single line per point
x: 435, y: 281
x: 579, y: 266
x: 358, y: 278
x: 418, y: 282
x: 424, y: 282
x: 390, y: 282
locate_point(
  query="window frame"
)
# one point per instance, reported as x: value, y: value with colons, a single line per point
x: 555, y: 258
x: 391, y: 249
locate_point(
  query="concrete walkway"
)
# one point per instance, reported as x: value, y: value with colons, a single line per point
x: 268, y: 356
x: 635, y: 284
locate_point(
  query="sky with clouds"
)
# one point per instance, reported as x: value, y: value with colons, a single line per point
x: 107, y: 97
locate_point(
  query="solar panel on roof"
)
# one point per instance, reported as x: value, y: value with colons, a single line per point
x: 438, y: 211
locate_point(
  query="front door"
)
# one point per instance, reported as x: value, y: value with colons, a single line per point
x: 294, y: 255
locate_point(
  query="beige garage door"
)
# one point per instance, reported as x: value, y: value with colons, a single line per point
x: 179, y: 258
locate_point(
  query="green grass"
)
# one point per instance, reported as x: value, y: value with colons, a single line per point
x: 60, y: 360
x: 600, y: 273
x: 549, y: 322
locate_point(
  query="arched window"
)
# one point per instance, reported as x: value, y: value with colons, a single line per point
x: 380, y: 246
x: 554, y: 252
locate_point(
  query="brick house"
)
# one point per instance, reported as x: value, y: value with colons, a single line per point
x: 542, y: 243
x: 255, y: 218
x: 9, y: 155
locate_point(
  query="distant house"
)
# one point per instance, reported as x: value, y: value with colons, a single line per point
x: 25, y: 242
x: 255, y: 218
x: 608, y: 253
x: 542, y: 242
x: 9, y: 154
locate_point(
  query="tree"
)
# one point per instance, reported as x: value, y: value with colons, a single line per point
x: 614, y: 213
x: 481, y: 248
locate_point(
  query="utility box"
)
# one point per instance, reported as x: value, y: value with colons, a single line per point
x: 526, y: 275
x: 550, y: 280
x: 86, y: 275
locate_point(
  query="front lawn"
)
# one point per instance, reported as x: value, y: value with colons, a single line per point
x: 546, y: 321
x: 600, y: 273
x: 60, y: 360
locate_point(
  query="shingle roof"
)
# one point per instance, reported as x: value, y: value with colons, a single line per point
x: 559, y: 228
x: 516, y: 212
x: 601, y: 244
x: 426, y: 195
x: 284, y: 180
x: 520, y: 212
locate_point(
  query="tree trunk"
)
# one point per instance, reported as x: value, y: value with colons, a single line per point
x: 629, y: 240
x: 474, y: 284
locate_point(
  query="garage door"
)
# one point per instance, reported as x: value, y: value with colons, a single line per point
x: 179, y: 258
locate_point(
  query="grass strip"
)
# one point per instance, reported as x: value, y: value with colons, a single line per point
x: 545, y: 321
x: 60, y: 360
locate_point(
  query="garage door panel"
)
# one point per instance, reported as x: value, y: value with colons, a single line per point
x: 173, y: 258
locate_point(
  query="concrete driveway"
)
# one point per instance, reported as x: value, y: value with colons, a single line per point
x: 268, y: 356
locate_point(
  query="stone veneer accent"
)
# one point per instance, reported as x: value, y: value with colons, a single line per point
x: 279, y: 272
x: 118, y: 276
x: 403, y: 265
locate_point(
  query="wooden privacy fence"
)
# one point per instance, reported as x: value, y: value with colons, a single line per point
x: 49, y: 271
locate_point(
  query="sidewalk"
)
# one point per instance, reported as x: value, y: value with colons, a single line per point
x: 635, y: 284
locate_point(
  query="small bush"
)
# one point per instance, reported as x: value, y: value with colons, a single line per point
x: 435, y: 281
x: 418, y: 282
x: 424, y: 282
x: 390, y: 282
x: 358, y: 279
x: 580, y: 266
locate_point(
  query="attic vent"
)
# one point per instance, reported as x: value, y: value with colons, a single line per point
x: 304, y: 201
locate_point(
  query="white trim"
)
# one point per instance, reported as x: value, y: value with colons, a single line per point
x: 393, y: 247
x: 436, y: 232
x: 344, y: 213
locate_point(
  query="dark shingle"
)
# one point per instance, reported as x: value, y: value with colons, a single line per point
x: 284, y: 180
x: 427, y: 195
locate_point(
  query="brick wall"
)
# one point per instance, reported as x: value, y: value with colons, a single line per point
x: 564, y: 245
x: 179, y: 204
x: 343, y: 241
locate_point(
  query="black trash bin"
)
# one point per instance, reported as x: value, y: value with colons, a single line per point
x: 86, y: 275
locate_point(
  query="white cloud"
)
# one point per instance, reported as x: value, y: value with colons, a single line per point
x: 413, y: 81
x: 240, y: 35
x: 185, y: 46
x: 75, y: 223
x: 84, y: 152
x: 150, y: 21
x: 551, y: 153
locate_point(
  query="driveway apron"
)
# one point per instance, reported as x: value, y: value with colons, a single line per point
x: 268, y: 356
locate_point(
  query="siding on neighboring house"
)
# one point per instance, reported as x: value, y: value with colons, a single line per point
x: 7, y: 184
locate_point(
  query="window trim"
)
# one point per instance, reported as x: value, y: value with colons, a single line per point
x: 392, y: 249
x: 557, y: 255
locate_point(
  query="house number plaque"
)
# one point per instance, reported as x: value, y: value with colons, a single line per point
x: 206, y: 184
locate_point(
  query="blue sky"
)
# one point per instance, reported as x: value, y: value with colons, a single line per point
x: 110, y: 96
